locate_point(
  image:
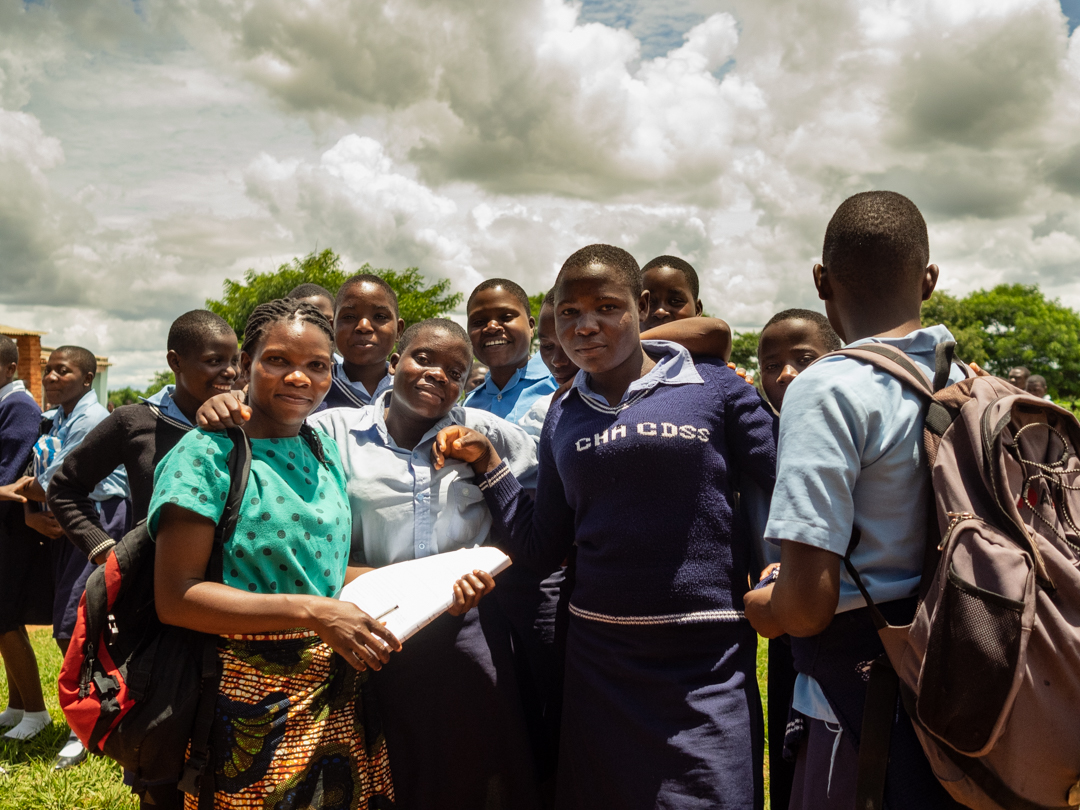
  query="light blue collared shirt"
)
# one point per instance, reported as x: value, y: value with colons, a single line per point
x: 357, y: 388
x: 403, y: 508
x: 850, y: 453
x: 514, y: 401
x: 674, y: 366
x: 167, y: 405
x: 68, y: 430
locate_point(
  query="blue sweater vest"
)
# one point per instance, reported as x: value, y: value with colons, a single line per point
x: 645, y: 490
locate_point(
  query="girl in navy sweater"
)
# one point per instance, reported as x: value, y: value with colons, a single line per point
x: 661, y: 707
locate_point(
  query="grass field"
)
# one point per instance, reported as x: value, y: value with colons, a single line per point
x: 30, y: 782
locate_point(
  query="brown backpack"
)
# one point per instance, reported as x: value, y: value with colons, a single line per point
x: 989, y: 669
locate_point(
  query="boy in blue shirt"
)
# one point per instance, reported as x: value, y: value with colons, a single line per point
x: 850, y: 458
x: 501, y: 330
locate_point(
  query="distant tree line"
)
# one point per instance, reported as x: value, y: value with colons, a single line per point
x: 1010, y: 325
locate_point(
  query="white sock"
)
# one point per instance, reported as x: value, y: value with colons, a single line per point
x: 29, y: 726
x: 10, y: 716
x: 71, y: 748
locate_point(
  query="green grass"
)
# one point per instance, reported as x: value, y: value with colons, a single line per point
x: 96, y: 784
x: 763, y: 686
x: 30, y: 781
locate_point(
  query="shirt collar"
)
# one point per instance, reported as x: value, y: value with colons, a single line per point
x: 88, y: 400
x: 533, y: 370
x: 373, y: 421
x: 338, y: 373
x: 163, y: 399
x: 11, y: 388
x: 674, y: 366
x: 917, y: 342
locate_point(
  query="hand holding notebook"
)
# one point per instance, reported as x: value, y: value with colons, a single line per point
x: 409, y: 595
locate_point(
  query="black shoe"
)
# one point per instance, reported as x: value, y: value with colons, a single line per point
x: 63, y: 763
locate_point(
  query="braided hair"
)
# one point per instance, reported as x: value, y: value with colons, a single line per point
x: 282, y: 309
x: 265, y: 316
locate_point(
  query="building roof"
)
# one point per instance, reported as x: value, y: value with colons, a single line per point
x: 15, y: 331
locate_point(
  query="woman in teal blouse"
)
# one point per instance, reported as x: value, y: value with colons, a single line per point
x: 290, y: 729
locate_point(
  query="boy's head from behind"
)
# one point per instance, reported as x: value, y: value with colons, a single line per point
x: 791, y: 341
x: 204, y: 357
x: 875, y: 270
x: 366, y: 321
x: 316, y: 295
x: 500, y: 326
x: 673, y: 290
x: 9, y: 360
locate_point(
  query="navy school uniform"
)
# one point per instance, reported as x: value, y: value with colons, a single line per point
x: 661, y: 706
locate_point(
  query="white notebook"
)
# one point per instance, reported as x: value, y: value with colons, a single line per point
x: 408, y: 596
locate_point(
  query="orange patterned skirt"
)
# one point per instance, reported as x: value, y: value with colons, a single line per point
x: 295, y: 727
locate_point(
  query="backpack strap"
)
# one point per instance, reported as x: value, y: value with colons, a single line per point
x: 194, y: 779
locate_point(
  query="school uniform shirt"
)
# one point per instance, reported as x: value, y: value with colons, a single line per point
x: 514, y: 401
x: 344, y: 393
x: 403, y: 508
x: 166, y: 406
x: 20, y: 418
x: 66, y: 433
x: 851, y: 453
x: 135, y: 437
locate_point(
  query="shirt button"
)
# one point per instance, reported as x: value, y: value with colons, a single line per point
x: 499, y: 397
x: 421, y: 545
x: 464, y: 490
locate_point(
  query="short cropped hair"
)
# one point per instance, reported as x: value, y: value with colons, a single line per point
x: 83, y: 358
x: 828, y: 334
x: 511, y: 287
x: 1037, y: 378
x: 624, y: 265
x: 9, y: 351
x: 683, y: 266
x: 282, y: 309
x: 876, y: 243
x: 368, y: 278
x: 309, y: 290
x: 549, y: 299
x: 189, y: 333
x: 445, y: 324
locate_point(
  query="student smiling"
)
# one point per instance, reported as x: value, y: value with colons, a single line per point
x: 454, y: 719
x: 501, y: 331
x: 660, y: 703
x: 290, y: 650
x: 673, y: 290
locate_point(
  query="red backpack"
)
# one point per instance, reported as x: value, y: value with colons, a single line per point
x: 132, y: 688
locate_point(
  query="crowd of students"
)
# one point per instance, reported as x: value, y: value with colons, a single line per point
x: 642, y: 487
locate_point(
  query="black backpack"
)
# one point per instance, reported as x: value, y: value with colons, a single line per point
x: 132, y: 688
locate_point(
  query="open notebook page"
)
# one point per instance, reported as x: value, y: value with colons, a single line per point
x: 410, y: 595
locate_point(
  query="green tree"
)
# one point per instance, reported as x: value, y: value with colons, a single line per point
x: 130, y: 396
x: 416, y: 299
x: 744, y: 351
x: 1014, y: 325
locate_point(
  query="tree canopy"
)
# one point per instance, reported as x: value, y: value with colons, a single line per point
x: 1014, y: 325
x: 417, y: 299
x: 130, y: 396
x: 744, y: 351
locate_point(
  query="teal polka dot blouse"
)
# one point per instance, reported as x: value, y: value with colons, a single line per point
x: 294, y: 531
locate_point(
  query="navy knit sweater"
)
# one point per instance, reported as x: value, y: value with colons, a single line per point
x: 645, y: 490
x: 20, y: 418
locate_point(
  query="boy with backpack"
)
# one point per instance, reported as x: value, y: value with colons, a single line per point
x: 851, y: 479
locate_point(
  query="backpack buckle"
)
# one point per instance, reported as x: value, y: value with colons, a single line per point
x: 113, y: 630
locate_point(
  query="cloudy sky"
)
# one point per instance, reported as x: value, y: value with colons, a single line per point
x: 150, y: 149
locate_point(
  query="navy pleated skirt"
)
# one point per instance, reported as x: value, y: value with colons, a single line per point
x: 661, y: 716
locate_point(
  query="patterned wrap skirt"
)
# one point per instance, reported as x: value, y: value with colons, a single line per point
x: 295, y: 727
